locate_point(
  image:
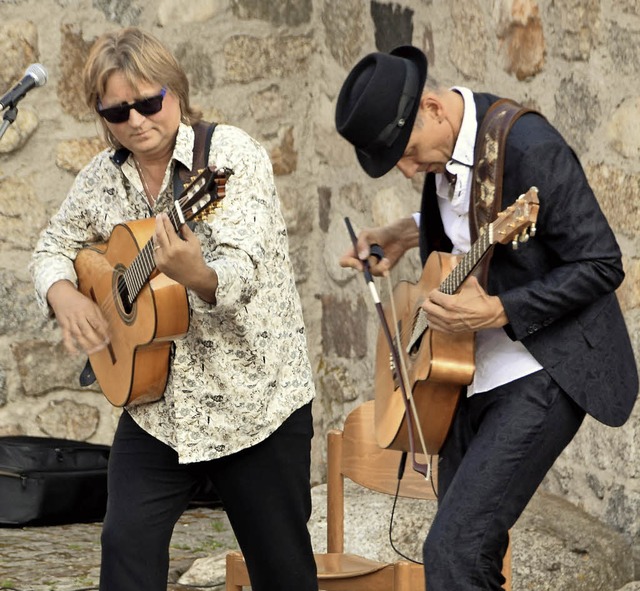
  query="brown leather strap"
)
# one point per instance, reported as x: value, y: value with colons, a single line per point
x: 486, y: 188
x: 201, y: 143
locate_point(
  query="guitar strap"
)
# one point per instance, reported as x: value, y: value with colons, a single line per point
x: 181, y: 175
x: 488, y: 168
x: 201, y: 144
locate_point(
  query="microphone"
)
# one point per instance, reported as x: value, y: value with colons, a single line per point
x: 35, y: 75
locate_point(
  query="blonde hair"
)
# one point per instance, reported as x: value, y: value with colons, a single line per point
x: 140, y: 57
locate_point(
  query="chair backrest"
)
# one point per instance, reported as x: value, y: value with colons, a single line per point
x: 355, y: 454
x: 369, y: 465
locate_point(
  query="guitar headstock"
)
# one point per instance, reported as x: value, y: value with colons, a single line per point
x: 203, y: 194
x: 518, y: 221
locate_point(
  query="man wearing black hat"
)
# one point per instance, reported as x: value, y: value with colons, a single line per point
x: 551, y: 341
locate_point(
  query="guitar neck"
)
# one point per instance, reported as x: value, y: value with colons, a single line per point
x: 513, y: 224
x: 454, y: 280
x: 143, y: 266
x: 204, y: 193
x: 467, y: 263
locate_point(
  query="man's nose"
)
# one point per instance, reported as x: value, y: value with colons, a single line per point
x: 135, y: 118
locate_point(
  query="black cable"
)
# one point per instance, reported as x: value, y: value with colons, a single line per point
x: 403, y: 460
x: 401, y: 468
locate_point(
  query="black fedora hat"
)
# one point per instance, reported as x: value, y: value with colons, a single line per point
x: 377, y: 106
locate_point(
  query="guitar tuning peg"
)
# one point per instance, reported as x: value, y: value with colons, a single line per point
x: 514, y: 244
x: 532, y: 230
x: 524, y: 237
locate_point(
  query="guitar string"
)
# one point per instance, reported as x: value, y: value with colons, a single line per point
x: 454, y: 280
x: 405, y: 377
x: 450, y: 285
x: 109, y: 305
x: 146, y: 255
x: 134, y: 278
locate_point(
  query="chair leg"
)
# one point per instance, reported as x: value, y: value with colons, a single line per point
x: 402, y: 576
x: 507, y: 566
x: 235, y: 562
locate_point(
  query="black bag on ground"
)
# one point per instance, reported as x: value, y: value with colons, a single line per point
x: 48, y: 481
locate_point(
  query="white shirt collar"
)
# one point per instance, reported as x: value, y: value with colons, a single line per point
x: 463, y: 151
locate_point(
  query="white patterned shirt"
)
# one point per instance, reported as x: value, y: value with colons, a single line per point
x: 243, y: 366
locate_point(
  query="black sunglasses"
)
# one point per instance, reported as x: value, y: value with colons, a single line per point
x: 120, y: 113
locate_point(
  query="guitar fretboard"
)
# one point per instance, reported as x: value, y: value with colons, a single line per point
x: 454, y: 280
x: 467, y: 263
x: 144, y: 264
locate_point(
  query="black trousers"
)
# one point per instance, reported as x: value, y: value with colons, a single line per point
x: 501, y: 445
x: 264, y: 489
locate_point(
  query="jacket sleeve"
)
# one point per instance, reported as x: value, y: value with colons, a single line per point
x: 574, y: 258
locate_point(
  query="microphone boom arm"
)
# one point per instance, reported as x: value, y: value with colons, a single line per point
x: 7, y: 119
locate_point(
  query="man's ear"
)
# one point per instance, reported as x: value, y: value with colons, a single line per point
x: 431, y: 106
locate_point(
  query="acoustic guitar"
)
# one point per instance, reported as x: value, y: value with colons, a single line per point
x: 145, y: 309
x: 438, y: 364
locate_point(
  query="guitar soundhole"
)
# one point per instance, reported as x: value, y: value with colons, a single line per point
x: 415, y: 348
x: 395, y: 375
x: 123, y: 296
x: 412, y: 352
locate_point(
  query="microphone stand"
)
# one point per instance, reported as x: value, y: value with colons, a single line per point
x: 8, y: 118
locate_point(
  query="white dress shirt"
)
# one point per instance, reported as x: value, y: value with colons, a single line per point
x: 499, y: 360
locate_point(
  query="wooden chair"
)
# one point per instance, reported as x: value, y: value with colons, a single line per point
x: 354, y: 453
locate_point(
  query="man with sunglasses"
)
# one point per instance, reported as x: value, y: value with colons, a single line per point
x: 236, y: 411
x: 551, y: 343
x: 121, y: 113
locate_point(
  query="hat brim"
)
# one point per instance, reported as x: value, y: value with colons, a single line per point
x: 377, y: 163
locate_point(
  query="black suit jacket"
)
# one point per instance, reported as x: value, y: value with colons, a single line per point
x: 558, y: 288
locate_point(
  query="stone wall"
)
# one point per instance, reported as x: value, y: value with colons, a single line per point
x: 274, y: 69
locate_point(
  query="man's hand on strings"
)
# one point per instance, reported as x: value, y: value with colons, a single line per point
x: 80, y: 319
x: 176, y: 255
x: 179, y: 256
x: 394, y: 239
x: 471, y: 309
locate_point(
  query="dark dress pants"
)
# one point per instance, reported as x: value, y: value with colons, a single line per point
x: 501, y: 445
x: 264, y: 489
